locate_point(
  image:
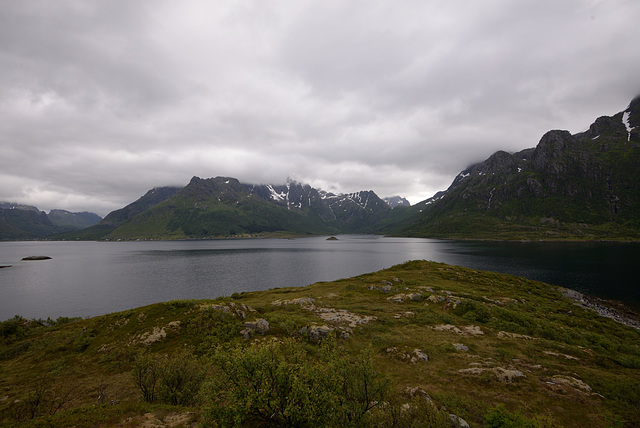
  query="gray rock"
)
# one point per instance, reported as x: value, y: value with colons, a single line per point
x: 417, y: 391
x: 458, y: 422
x: 416, y: 297
x: 460, y: 347
x: 315, y: 332
x: 421, y: 356
x: 260, y: 326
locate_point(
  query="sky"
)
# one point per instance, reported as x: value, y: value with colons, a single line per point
x: 100, y: 101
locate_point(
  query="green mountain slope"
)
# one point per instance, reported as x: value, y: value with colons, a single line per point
x: 582, y: 186
x: 213, y: 207
x: 102, y: 229
x: 437, y: 340
x: 222, y: 207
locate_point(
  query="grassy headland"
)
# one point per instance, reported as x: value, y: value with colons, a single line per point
x: 492, y: 349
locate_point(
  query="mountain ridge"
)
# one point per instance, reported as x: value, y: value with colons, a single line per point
x: 580, y: 186
x: 223, y: 207
x: 18, y: 221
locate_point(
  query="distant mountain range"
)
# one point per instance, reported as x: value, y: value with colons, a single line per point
x: 581, y: 186
x: 27, y: 222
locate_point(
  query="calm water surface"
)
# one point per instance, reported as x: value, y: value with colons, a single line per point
x: 93, y: 278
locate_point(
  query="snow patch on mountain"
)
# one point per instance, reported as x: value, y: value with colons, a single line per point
x: 625, y: 120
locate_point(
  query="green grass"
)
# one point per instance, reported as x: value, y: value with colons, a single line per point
x: 578, y: 369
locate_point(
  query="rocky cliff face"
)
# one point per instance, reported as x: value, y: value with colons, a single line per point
x: 573, y: 182
x: 349, y: 212
x: 395, y: 201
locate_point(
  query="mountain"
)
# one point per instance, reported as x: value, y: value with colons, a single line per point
x: 116, y: 218
x: 148, y: 200
x: 581, y: 186
x: 222, y: 206
x: 18, y: 223
x: 350, y: 212
x: 395, y: 201
x: 15, y: 206
x: 73, y: 221
x: 27, y: 222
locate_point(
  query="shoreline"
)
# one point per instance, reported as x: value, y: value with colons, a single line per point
x: 613, y: 309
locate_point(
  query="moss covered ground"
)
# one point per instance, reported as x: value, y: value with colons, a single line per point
x: 478, y: 344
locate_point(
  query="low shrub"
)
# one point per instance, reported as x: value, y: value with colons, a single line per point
x: 280, y: 383
x: 500, y: 417
x: 174, y: 379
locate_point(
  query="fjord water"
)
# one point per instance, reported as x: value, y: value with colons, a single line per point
x: 94, y: 278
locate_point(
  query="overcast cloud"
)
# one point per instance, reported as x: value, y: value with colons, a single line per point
x: 100, y: 101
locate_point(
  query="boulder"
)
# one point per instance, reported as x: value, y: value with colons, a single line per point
x: 417, y: 391
x: 460, y: 347
x: 419, y: 356
x: 457, y: 421
x: 260, y: 326
x: 315, y: 332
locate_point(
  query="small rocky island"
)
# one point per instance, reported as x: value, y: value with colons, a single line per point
x: 37, y: 258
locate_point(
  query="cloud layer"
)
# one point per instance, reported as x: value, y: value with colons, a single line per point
x: 101, y: 101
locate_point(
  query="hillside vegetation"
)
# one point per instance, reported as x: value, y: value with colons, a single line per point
x: 418, y: 344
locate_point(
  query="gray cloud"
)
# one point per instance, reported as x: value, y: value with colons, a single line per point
x: 101, y: 101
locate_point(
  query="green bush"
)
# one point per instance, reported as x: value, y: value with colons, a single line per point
x: 174, y: 380
x: 180, y: 379
x: 212, y: 327
x: 58, y: 321
x: 146, y: 375
x: 41, y: 401
x: 473, y: 311
x: 500, y: 417
x: 280, y: 383
x: 83, y: 341
x: 13, y: 329
x: 418, y: 413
